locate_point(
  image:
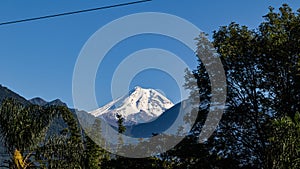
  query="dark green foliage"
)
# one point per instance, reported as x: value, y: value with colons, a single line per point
x: 190, y: 154
x: 261, y: 68
x: 262, y: 71
x: 64, y: 150
x: 95, y: 156
x: 135, y: 163
x: 121, y: 127
x: 242, y: 133
x: 60, y: 152
x: 284, y: 136
x: 22, y: 127
x: 280, y: 59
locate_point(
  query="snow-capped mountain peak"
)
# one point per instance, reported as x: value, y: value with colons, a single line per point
x: 139, y: 106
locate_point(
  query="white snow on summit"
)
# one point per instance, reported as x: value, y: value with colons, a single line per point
x: 139, y: 106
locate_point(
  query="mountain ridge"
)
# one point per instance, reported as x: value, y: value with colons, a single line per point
x: 6, y: 93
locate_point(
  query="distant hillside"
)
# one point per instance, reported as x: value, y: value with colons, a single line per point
x: 162, y: 123
x: 41, y: 102
x: 38, y: 101
x: 6, y: 93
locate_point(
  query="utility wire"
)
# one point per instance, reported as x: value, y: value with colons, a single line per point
x: 71, y: 13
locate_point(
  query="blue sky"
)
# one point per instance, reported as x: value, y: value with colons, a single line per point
x: 37, y: 58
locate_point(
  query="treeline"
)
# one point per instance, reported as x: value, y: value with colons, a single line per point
x: 260, y: 127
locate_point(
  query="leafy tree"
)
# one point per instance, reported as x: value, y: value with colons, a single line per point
x: 280, y: 55
x: 262, y: 71
x: 241, y: 134
x: 261, y: 67
x: 284, y: 151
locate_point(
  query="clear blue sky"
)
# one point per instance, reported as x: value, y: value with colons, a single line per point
x: 37, y: 58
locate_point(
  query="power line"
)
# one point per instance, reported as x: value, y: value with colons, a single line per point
x: 71, y: 13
